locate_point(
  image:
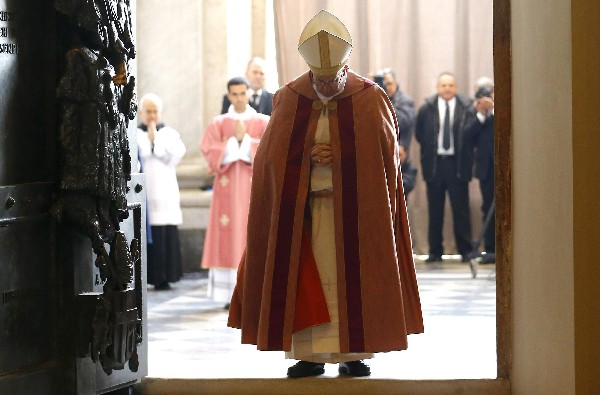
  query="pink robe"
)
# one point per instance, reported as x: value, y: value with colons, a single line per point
x: 228, y: 218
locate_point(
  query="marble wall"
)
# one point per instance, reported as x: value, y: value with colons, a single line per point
x: 169, y: 61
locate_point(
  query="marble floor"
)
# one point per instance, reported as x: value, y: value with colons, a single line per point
x: 188, y: 336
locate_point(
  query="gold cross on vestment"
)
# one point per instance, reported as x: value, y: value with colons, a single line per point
x: 224, y: 220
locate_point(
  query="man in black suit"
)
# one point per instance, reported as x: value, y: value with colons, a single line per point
x: 260, y: 99
x: 446, y: 160
x: 481, y: 133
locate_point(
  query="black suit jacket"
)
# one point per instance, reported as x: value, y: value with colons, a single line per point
x: 405, y: 113
x: 427, y: 129
x: 482, y: 137
x: 265, y: 104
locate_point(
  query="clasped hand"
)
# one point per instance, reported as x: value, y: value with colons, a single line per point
x: 320, y: 155
x: 240, y: 130
x: 151, y: 131
x: 484, y: 105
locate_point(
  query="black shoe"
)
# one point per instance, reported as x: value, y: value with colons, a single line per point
x: 488, y: 258
x: 355, y: 368
x: 163, y: 286
x: 305, y: 368
x: 433, y: 258
x: 227, y: 306
x: 465, y: 258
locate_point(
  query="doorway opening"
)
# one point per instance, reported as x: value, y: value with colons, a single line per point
x: 428, y: 276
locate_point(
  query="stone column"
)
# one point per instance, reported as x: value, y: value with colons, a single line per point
x: 169, y: 61
x: 214, y: 59
x: 259, y: 28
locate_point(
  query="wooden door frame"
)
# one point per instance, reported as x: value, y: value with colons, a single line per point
x: 503, y: 181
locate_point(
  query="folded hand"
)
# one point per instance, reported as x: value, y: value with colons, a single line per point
x: 320, y: 154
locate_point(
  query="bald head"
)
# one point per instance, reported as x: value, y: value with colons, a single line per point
x: 151, y: 108
x: 255, y: 73
x: 446, y: 87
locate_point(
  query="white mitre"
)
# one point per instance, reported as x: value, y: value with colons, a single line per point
x: 325, y: 44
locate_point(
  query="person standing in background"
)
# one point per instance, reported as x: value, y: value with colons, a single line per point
x: 403, y: 105
x: 481, y: 132
x: 160, y: 150
x: 326, y: 277
x: 229, y: 145
x: 409, y: 172
x: 446, y: 161
x: 258, y: 97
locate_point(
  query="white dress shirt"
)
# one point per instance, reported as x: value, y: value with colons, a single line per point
x: 442, y: 113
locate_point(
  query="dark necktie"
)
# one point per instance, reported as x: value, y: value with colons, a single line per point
x: 446, y: 141
x: 254, y: 101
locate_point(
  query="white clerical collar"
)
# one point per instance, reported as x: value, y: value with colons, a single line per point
x: 242, y: 116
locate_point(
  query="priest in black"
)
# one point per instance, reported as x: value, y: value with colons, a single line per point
x: 447, y: 161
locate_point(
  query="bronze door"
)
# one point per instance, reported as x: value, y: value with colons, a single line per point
x: 72, y: 214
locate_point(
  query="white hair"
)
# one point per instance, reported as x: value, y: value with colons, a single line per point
x: 154, y: 98
x: 486, y: 82
x: 258, y: 61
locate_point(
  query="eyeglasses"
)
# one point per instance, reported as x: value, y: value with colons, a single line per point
x: 319, y: 83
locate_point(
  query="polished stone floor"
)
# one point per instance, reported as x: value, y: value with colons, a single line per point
x: 188, y: 336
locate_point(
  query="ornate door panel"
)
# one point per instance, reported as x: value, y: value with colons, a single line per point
x: 72, y: 214
x: 105, y: 336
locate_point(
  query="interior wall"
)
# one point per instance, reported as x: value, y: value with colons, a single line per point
x: 586, y: 189
x: 169, y: 61
x: 543, y: 289
x: 215, y: 34
x: 239, y: 36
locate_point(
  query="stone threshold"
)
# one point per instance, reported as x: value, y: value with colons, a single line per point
x: 321, y: 385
